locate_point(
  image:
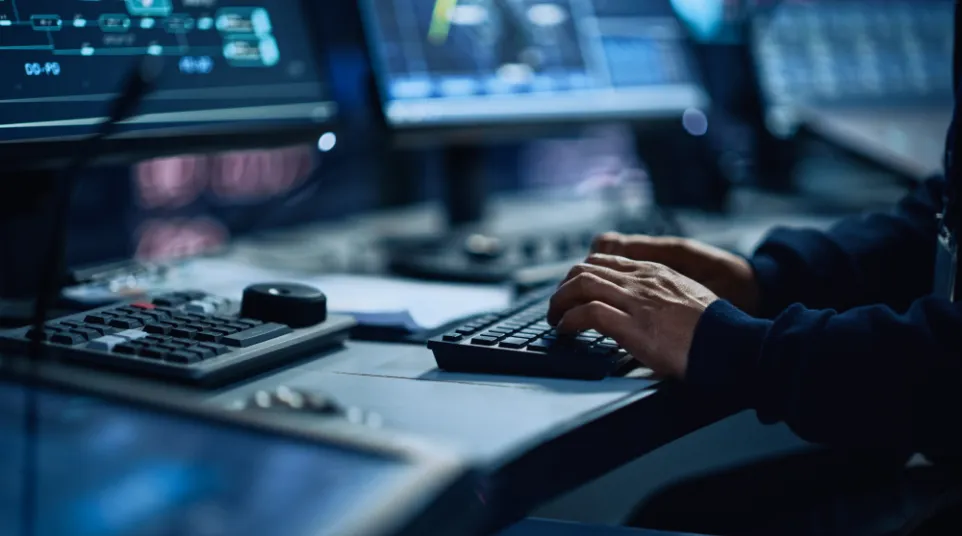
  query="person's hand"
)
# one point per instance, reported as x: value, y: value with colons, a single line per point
x: 649, y: 309
x: 727, y: 275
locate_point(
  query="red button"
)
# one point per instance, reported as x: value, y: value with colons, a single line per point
x: 142, y: 305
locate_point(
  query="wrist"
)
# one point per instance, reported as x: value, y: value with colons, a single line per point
x: 725, y: 350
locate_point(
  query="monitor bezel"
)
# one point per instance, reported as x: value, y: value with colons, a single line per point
x: 503, y: 130
x: 53, y: 154
x: 434, y: 471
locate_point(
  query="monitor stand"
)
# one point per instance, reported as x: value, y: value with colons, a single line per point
x: 685, y: 170
x: 466, y: 252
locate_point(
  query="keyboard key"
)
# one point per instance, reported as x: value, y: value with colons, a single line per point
x: 218, y: 349
x: 143, y: 319
x: 131, y: 334
x: 183, y: 333
x: 143, y: 305
x: 249, y: 322
x: 514, y: 343
x: 541, y: 346
x: 124, y: 323
x: 530, y: 333
x: 101, y: 330
x: 201, y: 307
x: 126, y: 349
x: 153, y: 339
x: 96, y: 319
x: 71, y: 324
x: 106, y: 343
x: 484, y: 341
x: 34, y: 334
x: 153, y: 352
x: 502, y: 331
x: 452, y: 337
x: 87, y: 334
x: 250, y: 337
x: 67, y: 338
x: 157, y: 328
x: 607, y: 345
x: 494, y: 334
x: 208, y: 336
x: 203, y: 353
x: 182, y: 357
x: 156, y: 315
x: 466, y: 331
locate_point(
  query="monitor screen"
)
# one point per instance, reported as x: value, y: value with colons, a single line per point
x: 856, y: 53
x: 108, y: 469
x: 247, y: 65
x: 475, y: 62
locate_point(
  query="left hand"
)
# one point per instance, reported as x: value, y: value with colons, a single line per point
x: 649, y: 309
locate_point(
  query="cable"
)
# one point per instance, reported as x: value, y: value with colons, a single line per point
x: 138, y: 84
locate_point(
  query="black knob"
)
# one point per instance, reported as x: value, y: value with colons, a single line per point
x: 293, y: 304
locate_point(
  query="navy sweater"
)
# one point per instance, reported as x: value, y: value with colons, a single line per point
x: 852, y: 349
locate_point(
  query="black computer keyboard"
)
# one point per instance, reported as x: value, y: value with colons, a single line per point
x: 188, y: 336
x: 520, y: 342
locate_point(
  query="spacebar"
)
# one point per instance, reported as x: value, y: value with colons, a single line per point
x: 261, y: 333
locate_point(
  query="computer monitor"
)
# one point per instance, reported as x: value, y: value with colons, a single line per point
x: 244, y: 74
x: 464, y: 64
x: 872, y: 77
x: 108, y: 466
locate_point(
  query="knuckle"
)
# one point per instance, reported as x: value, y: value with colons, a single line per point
x: 577, y: 270
x: 595, y: 310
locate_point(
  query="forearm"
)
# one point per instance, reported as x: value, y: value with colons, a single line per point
x: 869, y: 377
x: 875, y: 259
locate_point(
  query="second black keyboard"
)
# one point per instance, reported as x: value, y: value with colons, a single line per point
x: 521, y: 342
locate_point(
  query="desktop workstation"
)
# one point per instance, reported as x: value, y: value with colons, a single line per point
x: 250, y: 354
x: 198, y: 79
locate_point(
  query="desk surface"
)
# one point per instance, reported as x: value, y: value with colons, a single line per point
x: 538, y: 437
x: 523, y: 430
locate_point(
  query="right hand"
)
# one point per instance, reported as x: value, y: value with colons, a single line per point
x: 727, y: 275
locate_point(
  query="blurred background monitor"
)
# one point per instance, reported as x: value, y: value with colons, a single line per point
x: 244, y: 75
x: 476, y: 63
x: 874, y: 77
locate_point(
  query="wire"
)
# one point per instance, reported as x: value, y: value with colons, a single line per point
x: 138, y: 84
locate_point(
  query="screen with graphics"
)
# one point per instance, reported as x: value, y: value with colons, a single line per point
x: 98, y: 468
x: 480, y: 61
x: 225, y: 62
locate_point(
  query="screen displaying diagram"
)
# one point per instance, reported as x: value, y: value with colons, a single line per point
x: 239, y: 60
x: 525, y: 58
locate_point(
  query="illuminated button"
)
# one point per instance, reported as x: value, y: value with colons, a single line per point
x: 179, y: 24
x: 46, y: 23
x: 114, y: 22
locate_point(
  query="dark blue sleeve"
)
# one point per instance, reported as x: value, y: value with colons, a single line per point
x: 874, y: 259
x: 868, y: 377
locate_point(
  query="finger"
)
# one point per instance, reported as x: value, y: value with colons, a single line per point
x: 609, y: 243
x: 601, y: 317
x: 586, y: 288
x: 660, y: 249
x: 601, y: 271
x: 619, y: 264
